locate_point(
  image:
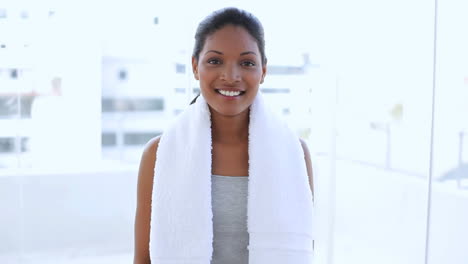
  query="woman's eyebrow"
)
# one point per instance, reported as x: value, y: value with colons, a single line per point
x: 215, y: 51
x: 248, y: 52
x: 243, y: 53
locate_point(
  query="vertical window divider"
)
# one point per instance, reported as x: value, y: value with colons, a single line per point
x: 18, y: 128
x: 431, y: 151
x: 188, y: 70
x: 332, y: 184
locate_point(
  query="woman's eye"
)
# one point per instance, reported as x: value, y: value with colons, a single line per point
x: 248, y: 63
x: 213, y: 61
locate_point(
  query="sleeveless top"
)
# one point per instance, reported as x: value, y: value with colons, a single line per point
x: 229, y: 203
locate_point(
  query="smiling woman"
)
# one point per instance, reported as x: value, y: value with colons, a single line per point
x: 238, y: 152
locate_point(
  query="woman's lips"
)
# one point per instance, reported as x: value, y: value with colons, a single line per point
x: 230, y: 90
x: 230, y: 97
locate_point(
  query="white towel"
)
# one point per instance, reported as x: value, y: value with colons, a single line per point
x: 279, y: 208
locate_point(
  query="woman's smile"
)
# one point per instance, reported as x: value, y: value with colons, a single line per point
x: 230, y: 94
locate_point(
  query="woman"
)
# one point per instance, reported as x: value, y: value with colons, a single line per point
x: 230, y: 63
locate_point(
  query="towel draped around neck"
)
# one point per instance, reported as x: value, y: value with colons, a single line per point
x: 279, y: 208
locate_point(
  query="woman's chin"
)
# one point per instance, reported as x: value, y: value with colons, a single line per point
x: 229, y: 112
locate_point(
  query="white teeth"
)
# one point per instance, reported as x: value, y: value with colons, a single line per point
x: 229, y: 93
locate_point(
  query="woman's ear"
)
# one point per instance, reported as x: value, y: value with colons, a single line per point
x: 264, y: 70
x: 195, y: 68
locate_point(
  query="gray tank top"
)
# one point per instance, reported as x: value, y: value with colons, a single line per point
x: 230, y: 236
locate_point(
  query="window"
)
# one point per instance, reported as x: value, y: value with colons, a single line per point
x: 7, y: 145
x: 109, y: 139
x: 275, y: 90
x: 354, y: 82
x: 138, y: 138
x: 284, y: 70
x: 122, y: 75
x: 180, y: 68
x: 132, y: 105
x: 24, y: 14
x: 3, y: 13
x: 13, y: 73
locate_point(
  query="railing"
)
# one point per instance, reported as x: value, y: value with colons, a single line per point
x: 460, y: 175
x: 461, y: 139
x: 386, y: 128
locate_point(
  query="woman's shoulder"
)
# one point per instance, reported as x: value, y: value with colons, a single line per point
x: 306, y: 156
x: 304, y: 146
x: 152, y: 145
x: 148, y: 158
x: 308, y: 164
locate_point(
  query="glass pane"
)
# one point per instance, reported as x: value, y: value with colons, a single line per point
x: 9, y: 106
x: 16, y: 100
x: 45, y: 139
x: 7, y: 145
x: 355, y: 83
x: 132, y: 105
x: 448, y: 230
x: 380, y: 155
x: 11, y: 220
x: 138, y: 138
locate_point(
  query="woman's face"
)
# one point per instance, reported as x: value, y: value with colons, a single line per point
x: 229, y: 61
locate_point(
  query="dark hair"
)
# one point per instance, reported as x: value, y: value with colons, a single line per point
x: 195, y: 99
x: 229, y: 16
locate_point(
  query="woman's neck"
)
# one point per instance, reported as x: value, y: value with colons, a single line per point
x: 230, y: 129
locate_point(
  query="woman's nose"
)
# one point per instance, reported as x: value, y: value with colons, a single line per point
x: 230, y: 73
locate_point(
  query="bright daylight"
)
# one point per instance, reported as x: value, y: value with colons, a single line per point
x: 377, y: 91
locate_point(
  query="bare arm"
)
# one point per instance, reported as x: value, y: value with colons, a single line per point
x: 309, y: 172
x: 308, y: 165
x: 144, y: 195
